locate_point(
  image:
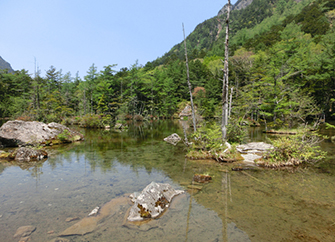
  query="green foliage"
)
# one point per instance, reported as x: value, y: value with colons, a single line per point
x: 296, y: 149
x: 208, y: 138
x: 329, y: 126
x: 282, y: 68
x: 65, y: 136
x: 235, y: 132
x: 207, y: 143
x: 91, y: 121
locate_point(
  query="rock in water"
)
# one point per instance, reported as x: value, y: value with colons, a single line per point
x: 24, y: 231
x: 202, y: 178
x: 254, y: 147
x: 254, y: 150
x: 70, y: 219
x: 152, y: 201
x: 22, y: 133
x: 89, y: 224
x: 173, y: 139
x: 27, y: 154
x: 94, y: 211
x: 59, y: 240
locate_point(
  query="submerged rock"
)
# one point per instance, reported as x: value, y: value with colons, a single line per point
x: 70, y: 219
x: 202, y: 178
x: 22, y: 133
x: 24, y: 231
x: 59, y: 240
x: 173, y: 139
x: 89, y: 224
x: 152, y: 201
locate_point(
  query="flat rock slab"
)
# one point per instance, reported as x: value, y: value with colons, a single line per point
x: 194, y: 187
x: 24, y: 231
x: 24, y: 239
x: 250, y: 157
x: 22, y: 133
x: 254, y: 147
x: 254, y: 150
x: 89, y: 224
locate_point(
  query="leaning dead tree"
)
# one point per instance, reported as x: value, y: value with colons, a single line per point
x: 225, y: 81
x: 189, y: 84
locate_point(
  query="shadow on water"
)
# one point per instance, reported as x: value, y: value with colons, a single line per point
x: 254, y: 205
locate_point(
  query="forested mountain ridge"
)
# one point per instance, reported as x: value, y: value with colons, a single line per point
x: 281, y: 68
x: 5, y: 65
x: 207, y: 39
x: 245, y: 14
x: 240, y: 4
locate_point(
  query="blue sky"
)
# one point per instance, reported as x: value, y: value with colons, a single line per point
x: 73, y: 34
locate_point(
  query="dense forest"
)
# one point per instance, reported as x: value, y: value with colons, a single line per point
x: 282, y: 68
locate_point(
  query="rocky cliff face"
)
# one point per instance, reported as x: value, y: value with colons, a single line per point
x: 240, y: 4
x: 5, y: 65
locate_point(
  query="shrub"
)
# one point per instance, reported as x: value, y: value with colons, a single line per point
x: 65, y: 136
x: 91, y: 121
x: 208, y: 137
x: 294, y: 150
x: 236, y: 133
x: 208, y: 143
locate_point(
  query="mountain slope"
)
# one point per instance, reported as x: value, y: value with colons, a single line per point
x: 240, y: 4
x: 249, y: 18
x: 5, y: 65
x: 201, y: 40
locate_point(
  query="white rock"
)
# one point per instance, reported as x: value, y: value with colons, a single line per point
x: 94, y: 211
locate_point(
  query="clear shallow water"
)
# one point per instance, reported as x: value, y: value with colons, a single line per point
x: 254, y: 205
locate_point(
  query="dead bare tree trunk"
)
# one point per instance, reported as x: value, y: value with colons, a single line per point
x: 189, y: 84
x: 225, y: 81
x: 230, y: 101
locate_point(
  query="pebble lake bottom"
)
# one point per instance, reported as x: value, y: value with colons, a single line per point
x: 293, y: 204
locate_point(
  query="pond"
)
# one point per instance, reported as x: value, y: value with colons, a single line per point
x: 253, y: 205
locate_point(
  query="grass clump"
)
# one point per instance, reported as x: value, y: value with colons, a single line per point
x: 207, y: 143
x: 293, y: 150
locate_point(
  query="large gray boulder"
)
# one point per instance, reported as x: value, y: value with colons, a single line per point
x: 23, y: 133
x: 152, y: 201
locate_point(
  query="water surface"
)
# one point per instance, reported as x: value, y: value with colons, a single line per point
x: 253, y: 205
